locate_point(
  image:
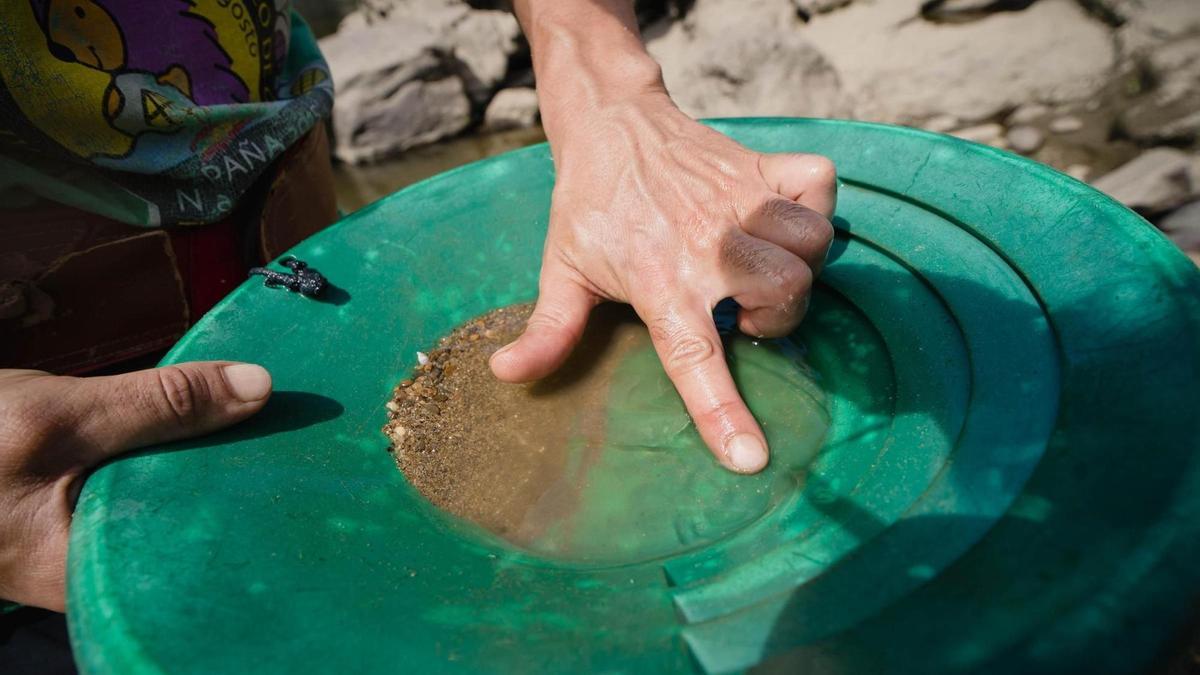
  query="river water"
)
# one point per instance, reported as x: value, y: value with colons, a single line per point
x: 358, y: 186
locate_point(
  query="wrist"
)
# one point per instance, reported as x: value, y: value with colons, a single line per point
x: 586, y: 65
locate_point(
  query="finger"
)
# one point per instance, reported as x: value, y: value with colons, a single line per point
x: 551, y: 333
x: 793, y: 227
x: 687, y: 343
x: 808, y: 179
x: 128, y: 411
x: 770, y: 284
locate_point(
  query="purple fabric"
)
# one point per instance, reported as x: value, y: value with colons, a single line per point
x: 159, y: 34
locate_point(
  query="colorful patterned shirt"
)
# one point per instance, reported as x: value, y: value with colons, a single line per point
x: 152, y: 112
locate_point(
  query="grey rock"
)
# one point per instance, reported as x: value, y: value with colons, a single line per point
x: 1066, y: 124
x: 959, y: 11
x: 1171, y: 110
x: 1025, y: 139
x: 942, y: 123
x: 396, y: 89
x: 744, y: 57
x: 991, y: 134
x: 1027, y: 113
x: 894, y: 69
x: 513, y: 108
x: 1147, y: 24
x: 808, y: 8
x: 1155, y: 181
x: 480, y: 40
x: 1183, y: 226
x: 1080, y: 172
x: 408, y: 72
x: 483, y: 40
x: 1159, y: 47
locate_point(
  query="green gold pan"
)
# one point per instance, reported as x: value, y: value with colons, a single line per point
x: 1006, y: 362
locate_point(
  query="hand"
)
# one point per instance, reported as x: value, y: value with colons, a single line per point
x: 54, y: 430
x: 654, y: 209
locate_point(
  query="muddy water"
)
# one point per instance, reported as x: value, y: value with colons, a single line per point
x: 358, y: 186
x: 599, y: 463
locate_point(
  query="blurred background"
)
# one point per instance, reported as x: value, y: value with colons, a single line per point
x: 1107, y: 91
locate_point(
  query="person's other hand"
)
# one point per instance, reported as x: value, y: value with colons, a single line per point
x: 54, y: 430
x: 657, y: 210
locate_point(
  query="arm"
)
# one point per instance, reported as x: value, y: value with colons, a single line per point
x: 654, y: 209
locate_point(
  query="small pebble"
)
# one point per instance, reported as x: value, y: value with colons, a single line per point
x: 1025, y: 139
x: 422, y: 358
x: 991, y: 134
x: 1030, y: 112
x: 391, y: 405
x: 941, y: 123
x: 1066, y: 124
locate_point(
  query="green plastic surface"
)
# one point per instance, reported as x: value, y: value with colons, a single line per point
x: 1010, y: 481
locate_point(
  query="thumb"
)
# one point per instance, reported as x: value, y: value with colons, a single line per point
x: 128, y: 411
x: 551, y: 333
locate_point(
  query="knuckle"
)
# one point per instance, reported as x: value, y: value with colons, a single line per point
x: 718, y: 412
x: 547, y: 318
x: 794, y: 279
x: 822, y: 170
x: 180, y: 393
x: 779, y: 210
x: 823, y: 232
x: 687, y: 351
x: 818, y: 238
x: 26, y: 427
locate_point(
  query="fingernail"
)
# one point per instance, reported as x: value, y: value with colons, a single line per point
x: 247, y: 381
x: 746, y: 453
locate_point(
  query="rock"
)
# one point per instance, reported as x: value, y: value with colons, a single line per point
x: 1080, y: 172
x: 1170, y: 111
x: 1183, y: 226
x: 396, y: 89
x: 1160, y: 61
x: 745, y: 57
x: 408, y: 72
x: 483, y: 40
x: 514, y: 108
x: 1155, y: 181
x: 1025, y: 139
x: 1146, y: 24
x: 1066, y: 124
x: 480, y: 40
x: 991, y: 134
x: 894, y: 69
x: 808, y: 8
x: 960, y: 11
x: 1027, y: 114
x: 942, y: 124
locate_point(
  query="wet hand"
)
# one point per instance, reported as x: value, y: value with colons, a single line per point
x: 54, y: 430
x: 654, y: 209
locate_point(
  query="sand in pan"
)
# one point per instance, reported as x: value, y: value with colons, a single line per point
x: 599, y: 462
x: 495, y: 453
